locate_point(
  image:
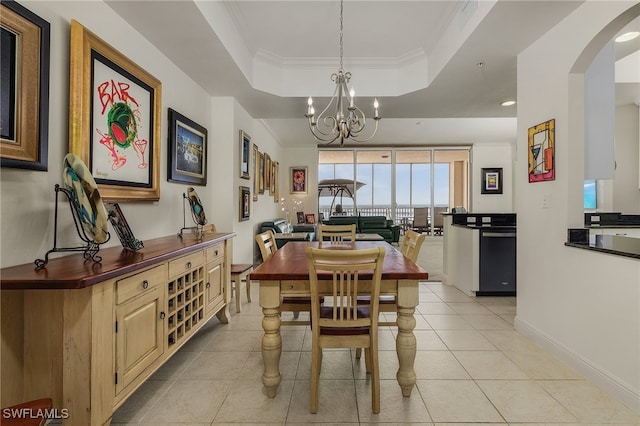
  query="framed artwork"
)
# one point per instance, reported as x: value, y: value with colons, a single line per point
x: 300, y: 216
x: 491, y: 181
x: 256, y: 172
x: 267, y: 172
x: 245, y: 152
x: 114, y: 118
x: 541, y: 152
x: 187, y: 150
x: 310, y: 218
x: 261, y: 174
x: 298, y: 180
x: 245, y: 203
x: 24, y: 88
x: 275, y: 189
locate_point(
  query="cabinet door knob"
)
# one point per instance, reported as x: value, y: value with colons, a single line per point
x: 162, y: 315
x: 145, y: 284
x: 290, y: 287
x: 216, y: 252
x: 208, y: 285
x: 188, y: 265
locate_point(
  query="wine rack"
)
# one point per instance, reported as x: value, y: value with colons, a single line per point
x: 185, y: 305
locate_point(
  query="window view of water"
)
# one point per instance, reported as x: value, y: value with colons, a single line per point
x: 412, y: 180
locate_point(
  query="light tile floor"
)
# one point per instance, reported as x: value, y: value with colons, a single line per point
x: 471, y: 365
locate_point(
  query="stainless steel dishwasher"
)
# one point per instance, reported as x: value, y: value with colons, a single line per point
x: 497, y: 262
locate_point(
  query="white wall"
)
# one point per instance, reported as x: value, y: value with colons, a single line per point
x: 492, y: 156
x: 582, y: 305
x: 307, y: 156
x: 626, y: 195
x: 27, y: 197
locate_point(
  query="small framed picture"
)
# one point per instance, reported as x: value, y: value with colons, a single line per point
x: 300, y: 216
x: 298, y: 180
x: 491, y: 181
x: 310, y: 218
x: 245, y: 203
x: 245, y: 154
x: 187, y: 150
x: 256, y: 172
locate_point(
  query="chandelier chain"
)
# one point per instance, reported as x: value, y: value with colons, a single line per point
x: 341, y: 48
x: 348, y: 121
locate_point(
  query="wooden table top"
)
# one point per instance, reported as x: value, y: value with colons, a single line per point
x: 73, y: 272
x: 290, y: 262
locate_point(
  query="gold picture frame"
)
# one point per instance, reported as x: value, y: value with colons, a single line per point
x: 114, y: 118
x: 24, y: 88
x: 275, y: 176
x: 256, y: 172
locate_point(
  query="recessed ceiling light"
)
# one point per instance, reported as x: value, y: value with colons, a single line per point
x: 508, y: 103
x: 627, y: 36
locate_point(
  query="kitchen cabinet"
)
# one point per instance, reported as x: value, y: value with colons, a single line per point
x: 92, y: 333
x: 139, y: 330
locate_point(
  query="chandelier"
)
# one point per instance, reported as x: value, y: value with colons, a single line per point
x: 348, y: 121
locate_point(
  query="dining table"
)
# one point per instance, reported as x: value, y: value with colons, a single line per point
x: 286, y: 273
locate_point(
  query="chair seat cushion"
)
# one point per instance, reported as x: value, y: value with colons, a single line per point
x: 327, y: 312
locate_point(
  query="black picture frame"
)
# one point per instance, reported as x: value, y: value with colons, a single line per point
x: 245, y: 155
x: 491, y: 181
x: 188, y: 140
x: 26, y: 39
x: 300, y: 217
x: 245, y: 203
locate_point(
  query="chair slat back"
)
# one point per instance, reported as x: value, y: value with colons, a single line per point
x: 343, y: 269
x: 267, y: 243
x: 411, y: 244
x: 336, y: 233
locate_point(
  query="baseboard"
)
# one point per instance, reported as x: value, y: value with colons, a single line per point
x: 620, y: 391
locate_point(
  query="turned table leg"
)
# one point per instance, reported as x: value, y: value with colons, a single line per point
x: 271, y: 340
x: 406, y: 340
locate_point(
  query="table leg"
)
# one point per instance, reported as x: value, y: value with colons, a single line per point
x: 406, y: 340
x: 271, y: 340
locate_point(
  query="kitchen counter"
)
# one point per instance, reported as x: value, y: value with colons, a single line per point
x: 611, y: 244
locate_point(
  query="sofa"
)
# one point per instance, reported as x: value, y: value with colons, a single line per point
x: 369, y: 225
x: 279, y: 226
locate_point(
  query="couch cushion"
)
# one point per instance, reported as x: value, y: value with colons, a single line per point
x: 276, y: 225
x: 368, y: 222
x: 342, y: 220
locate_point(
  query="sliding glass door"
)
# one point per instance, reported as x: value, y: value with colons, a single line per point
x: 394, y: 182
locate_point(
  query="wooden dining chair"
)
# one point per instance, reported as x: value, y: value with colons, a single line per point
x: 344, y: 324
x: 411, y: 244
x: 267, y: 243
x: 336, y: 233
x: 410, y: 248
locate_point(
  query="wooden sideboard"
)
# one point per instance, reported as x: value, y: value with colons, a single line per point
x: 89, y: 334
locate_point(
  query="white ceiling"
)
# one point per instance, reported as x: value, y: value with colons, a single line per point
x: 419, y: 58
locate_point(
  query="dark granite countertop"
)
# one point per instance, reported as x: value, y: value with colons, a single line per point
x: 592, y: 226
x: 612, y: 244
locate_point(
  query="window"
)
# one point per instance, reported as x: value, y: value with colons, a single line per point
x: 590, y: 194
